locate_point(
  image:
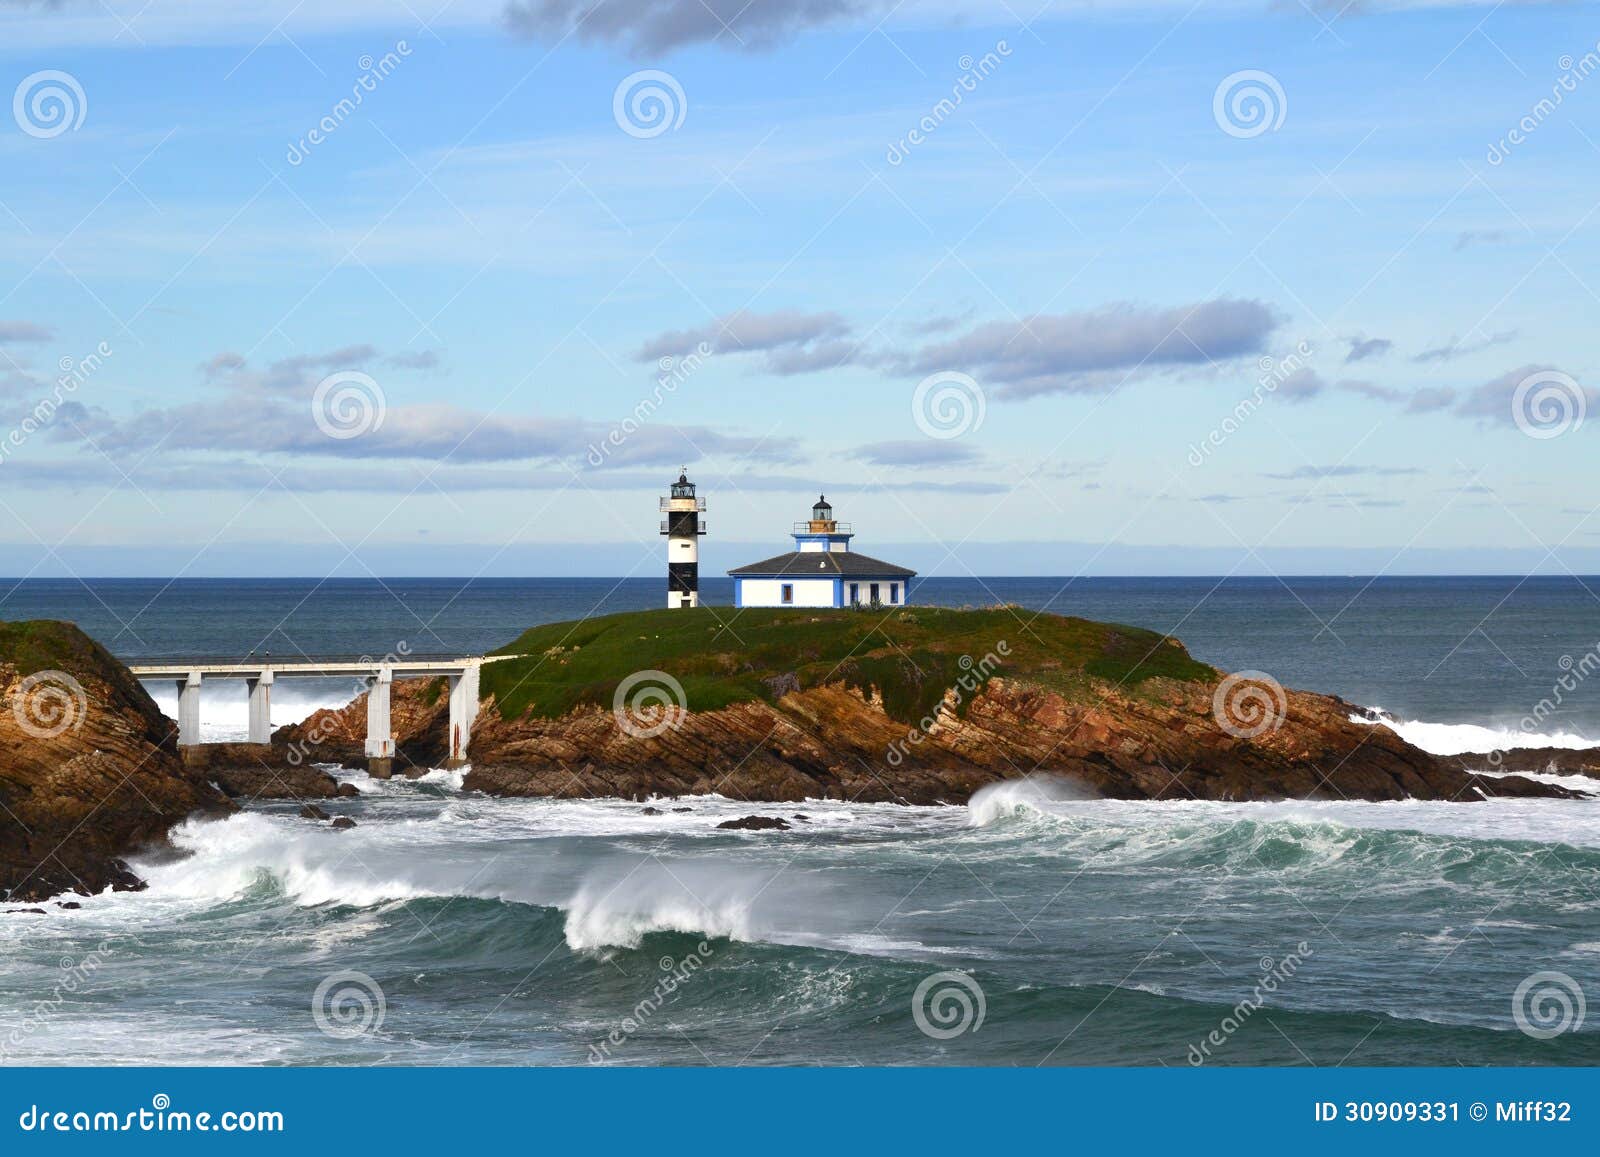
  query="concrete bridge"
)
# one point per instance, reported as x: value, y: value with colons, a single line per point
x: 376, y: 676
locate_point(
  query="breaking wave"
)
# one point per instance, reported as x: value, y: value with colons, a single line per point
x: 1459, y: 738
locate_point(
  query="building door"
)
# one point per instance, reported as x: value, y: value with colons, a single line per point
x: 788, y: 592
x: 855, y: 594
x: 873, y: 593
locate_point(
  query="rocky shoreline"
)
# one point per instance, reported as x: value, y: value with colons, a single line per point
x: 82, y: 796
x: 833, y: 742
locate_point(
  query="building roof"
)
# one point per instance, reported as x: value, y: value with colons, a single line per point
x: 826, y: 563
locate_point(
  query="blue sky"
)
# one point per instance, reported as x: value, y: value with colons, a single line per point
x: 1093, y: 250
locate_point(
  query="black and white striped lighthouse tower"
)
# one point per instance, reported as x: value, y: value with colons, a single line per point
x: 683, y: 527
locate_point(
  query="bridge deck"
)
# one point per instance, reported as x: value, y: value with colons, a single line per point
x: 316, y: 668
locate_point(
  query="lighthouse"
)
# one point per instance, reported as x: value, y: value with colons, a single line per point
x: 683, y: 527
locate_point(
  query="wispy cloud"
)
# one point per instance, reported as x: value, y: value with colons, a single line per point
x: 1343, y: 470
x: 1456, y: 348
x: 1495, y: 400
x: 1362, y: 348
x: 1469, y: 237
x: 916, y: 453
x: 272, y: 412
x: 793, y: 342
x: 1083, y: 352
x: 650, y: 26
x: 24, y: 331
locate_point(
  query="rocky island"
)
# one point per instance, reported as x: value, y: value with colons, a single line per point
x: 923, y: 705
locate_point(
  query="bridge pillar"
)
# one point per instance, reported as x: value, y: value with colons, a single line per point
x: 463, y: 710
x: 189, y: 710
x: 380, y: 733
x: 260, y: 707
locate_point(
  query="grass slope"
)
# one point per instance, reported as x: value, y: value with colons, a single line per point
x: 910, y: 656
x: 47, y: 645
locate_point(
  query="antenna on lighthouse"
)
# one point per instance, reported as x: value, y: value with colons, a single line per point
x: 683, y: 527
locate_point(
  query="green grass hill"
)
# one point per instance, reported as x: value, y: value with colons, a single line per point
x: 910, y: 656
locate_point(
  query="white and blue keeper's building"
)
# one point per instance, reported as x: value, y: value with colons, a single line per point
x: 821, y: 571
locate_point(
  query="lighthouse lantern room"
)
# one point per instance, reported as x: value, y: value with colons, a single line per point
x: 683, y: 527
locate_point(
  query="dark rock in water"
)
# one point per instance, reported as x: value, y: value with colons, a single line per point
x: 27, y: 912
x: 349, y: 790
x: 123, y: 880
x: 69, y: 905
x: 252, y: 771
x: 650, y: 811
x: 802, y: 817
x: 1553, y: 760
x: 342, y: 823
x: 756, y: 824
x: 683, y: 809
x: 312, y: 812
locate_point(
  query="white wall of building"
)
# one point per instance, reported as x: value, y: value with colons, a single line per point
x: 758, y: 592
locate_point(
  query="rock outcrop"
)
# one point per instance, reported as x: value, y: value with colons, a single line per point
x: 89, y: 767
x: 1166, y: 740
x: 251, y: 771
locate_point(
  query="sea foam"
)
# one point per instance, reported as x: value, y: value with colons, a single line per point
x: 1457, y: 738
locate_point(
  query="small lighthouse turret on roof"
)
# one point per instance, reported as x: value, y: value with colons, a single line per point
x: 822, y: 531
x: 821, y: 571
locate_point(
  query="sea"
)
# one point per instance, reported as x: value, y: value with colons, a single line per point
x: 1035, y: 926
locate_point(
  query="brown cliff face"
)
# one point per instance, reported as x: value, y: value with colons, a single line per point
x: 1166, y: 742
x: 89, y: 767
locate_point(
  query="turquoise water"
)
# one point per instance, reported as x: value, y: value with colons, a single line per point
x: 1029, y: 928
